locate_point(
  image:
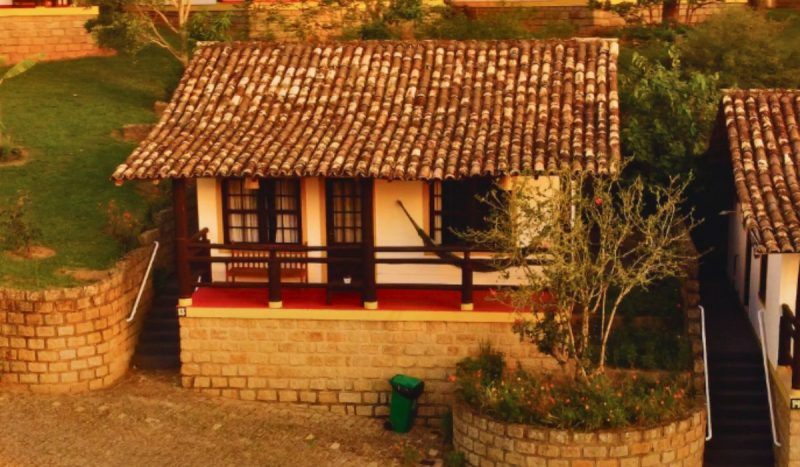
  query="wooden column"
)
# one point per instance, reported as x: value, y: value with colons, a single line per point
x: 369, y: 293
x: 182, y: 267
x: 466, y: 282
x: 274, y: 272
x: 785, y: 338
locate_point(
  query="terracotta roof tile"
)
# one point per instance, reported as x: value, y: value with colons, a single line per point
x: 388, y: 109
x: 764, y: 142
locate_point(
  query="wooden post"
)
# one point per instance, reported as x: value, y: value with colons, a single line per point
x: 369, y: 294
x: 466, y: 283
x: 796, y: 354
x: 274, y: 271
x: 182, y: 266
x: 784, y: 338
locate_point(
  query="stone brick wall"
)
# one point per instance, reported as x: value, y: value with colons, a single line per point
x: 75, y: 339
x: 489, y: 443
x: 787, y: 421
x: 337, y: 365
x: 55, y: 37
x: 690, y: 296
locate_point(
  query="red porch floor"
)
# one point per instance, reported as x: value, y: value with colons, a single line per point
x: 314, y: 298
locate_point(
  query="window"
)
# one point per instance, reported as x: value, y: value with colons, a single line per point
x: 268, y: 212
x: 344, y: 203
x: 455, y: 206
x: 762, y: 279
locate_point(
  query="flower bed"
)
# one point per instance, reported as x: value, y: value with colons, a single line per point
x: 487, y: 442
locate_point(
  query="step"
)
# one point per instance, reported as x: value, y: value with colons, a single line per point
x: 155, y: 362
x: 739, y: 457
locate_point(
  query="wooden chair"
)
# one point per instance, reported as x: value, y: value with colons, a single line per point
x: 290, y: 270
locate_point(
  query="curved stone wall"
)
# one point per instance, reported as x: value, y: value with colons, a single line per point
x: 74, y: 339
x: 489, y: 443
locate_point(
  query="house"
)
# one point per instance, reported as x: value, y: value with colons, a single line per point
x: 329, y: 181
x: 758, y: 131
x: 760, y: 128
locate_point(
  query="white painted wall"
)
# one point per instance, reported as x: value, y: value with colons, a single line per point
x: 782, y: 270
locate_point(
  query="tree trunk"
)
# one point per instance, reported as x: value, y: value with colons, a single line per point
x: 669, y: 11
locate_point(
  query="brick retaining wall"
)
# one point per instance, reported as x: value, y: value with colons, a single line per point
x: 54, y: 37
x: 75, y: 339
x: 489, y: 443
x: 337, y: 365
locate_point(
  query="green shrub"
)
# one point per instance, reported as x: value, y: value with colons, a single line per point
x: 449, y: 23
x: 455, y: 459
x: 599, y: 403
x: 16, y: 230
x: 746, y: 49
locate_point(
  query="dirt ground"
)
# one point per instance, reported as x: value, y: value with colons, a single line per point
x: 149, y: 420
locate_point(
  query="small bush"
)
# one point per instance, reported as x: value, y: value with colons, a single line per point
x: 122, y: 226
x: 455, y: 459
x: 449, y: 23
x: 548, y: 400
x: 16, y: 230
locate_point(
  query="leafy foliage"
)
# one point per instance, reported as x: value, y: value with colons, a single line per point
x: 17, y: 232
x: 668, y: 116
x: 746, y: 49
x: 600, y: 402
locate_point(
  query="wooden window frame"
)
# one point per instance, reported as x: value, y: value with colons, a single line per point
x: 266, y: 213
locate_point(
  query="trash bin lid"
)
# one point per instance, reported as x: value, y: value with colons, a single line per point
x: 405, y: 381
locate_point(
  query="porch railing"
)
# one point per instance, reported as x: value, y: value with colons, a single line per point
x: 200, y: 258
x: 789, y: 343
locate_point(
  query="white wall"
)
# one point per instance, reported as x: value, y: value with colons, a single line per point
x: 392, y: 228
x: 782, y: 270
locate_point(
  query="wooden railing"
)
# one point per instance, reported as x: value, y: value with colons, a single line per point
x: 789, y: 343
x: 200, y: 258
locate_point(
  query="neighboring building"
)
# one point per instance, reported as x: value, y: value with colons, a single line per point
x: 301, y: 153
x: 763, y: 141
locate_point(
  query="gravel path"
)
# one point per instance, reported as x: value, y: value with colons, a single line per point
x: 149, y: 420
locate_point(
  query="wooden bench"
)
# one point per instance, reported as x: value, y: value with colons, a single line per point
x: 290, y: 270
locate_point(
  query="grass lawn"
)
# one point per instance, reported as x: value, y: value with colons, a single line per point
x: 63, y: 113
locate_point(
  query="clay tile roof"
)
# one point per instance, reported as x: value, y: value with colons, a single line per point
x: 388, y: 109
x: 764, y: 142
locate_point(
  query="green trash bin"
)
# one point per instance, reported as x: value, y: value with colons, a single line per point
x: 403, y: 407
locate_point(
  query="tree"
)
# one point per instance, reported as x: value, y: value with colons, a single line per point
x: 362, y: 19
x: 128, y: 26
x: 668, y: 116
x: 600, y: 238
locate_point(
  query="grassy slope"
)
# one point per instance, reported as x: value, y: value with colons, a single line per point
x: 64, y: 113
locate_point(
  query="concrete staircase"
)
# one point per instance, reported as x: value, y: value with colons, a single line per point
x: 739, y: 409
x: 159, y: 343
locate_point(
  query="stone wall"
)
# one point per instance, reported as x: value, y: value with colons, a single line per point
x: 787, y: 421
x: 53, y: 37
x: 690, y: 297
x: 74, y: 339
x: 337, y: 365
x: 488, y: 443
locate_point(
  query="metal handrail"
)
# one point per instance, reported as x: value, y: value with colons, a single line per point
x: 144, y: 281
x: 705, y: 372
x: 763, y: 333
